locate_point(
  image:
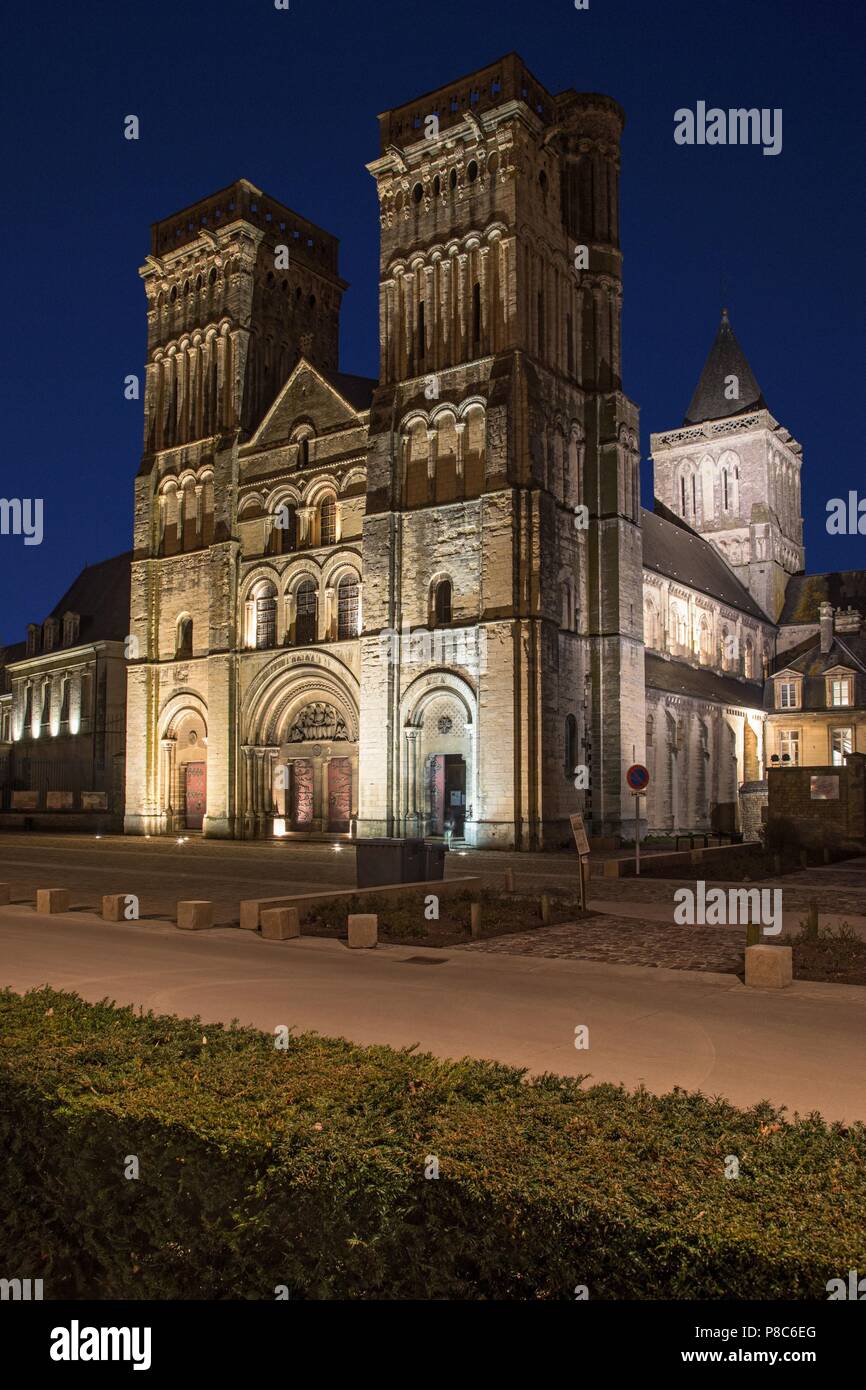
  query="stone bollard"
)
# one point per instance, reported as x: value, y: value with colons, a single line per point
x: 52, y: 899
x: 545, y: 910
x: 280, y: 923
x: 114, y: 907
x: 769, y: 967
x: 363, y: 930
x: 195, y: 914
x: 5, y: 889
x: 475, y: 919
x: 509, y: 880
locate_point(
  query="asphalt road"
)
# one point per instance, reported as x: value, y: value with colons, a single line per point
x: 802, y: 1047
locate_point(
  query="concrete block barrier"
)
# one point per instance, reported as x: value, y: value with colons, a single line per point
x: 769, y: 967
x: 195, y: 914
x: 363, y: 929
x: 280, y: 923
x: 52, y: 899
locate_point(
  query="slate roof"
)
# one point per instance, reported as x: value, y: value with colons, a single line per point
x: 726, y: 358
x: 357, y: 390
x: 672, y: 548
x: 675, y: 678
x: 806, y: 592
x: 100, y: 595
x: 848, y: 649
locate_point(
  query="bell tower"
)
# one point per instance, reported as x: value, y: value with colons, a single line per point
x: 236, y: 285
x: 502, y: 453
x: 733, y: 473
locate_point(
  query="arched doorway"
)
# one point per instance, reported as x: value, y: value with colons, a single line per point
x: 438, y: 758
x: 182, y: 768
x: 301, y: 749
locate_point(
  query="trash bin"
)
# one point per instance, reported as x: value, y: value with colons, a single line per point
x: 434, y: 853
x: 389, y: 860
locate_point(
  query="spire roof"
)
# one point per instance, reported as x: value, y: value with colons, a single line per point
x: 726, y: 359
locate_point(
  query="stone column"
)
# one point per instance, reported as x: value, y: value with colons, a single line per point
x: 167, y: 779
x: 271, y: 755
x: 305, y: 523
x: 432, y: 440
x: 319, y: 819
x: 460, y: 428
x: 327, y: 611
x: 413, y: 737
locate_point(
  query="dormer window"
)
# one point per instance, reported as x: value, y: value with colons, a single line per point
x: 839, y: 691
x: 788, y: 694
x: 33, y: 636
x: 50, y: 630
x: 70, y: 629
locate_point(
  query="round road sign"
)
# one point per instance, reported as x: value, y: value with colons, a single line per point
x: 637, y: 777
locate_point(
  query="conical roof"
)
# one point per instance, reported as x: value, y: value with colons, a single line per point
x: 726, y: 359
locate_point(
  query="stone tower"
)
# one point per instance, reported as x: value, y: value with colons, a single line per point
x: 238, y: 286
x: 733, y: 473
x: 502, y: 470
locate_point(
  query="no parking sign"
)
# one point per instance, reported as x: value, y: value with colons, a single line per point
x: 638, y: 778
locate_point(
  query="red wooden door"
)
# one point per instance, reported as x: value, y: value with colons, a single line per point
x: 436, y: 775
x: 301, y: 794
x: 339, y: 793
x: 195, y: 795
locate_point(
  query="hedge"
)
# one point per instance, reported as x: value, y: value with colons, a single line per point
x: 305, y: 1168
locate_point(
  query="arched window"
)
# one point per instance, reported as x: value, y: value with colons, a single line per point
x: 748, y: 659
x: 183, y: 636
x: 284, y: 531
x: 348, y: 595
x: 570, y: 745
x: 442, y: 603
x: 328, y: 521
x: 266, y: 616
x: 307, y: 612
x: 705, y: 638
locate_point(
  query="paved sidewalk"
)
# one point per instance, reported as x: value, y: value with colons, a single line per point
x: 802, y: 1047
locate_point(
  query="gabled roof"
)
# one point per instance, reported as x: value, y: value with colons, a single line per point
x: 726, y: 358
x: 354, y: 392
x: 675, y: 678
x: 100, y: 595
x: 848, y: 651
x: 806, y: 592
x: 672, y: 548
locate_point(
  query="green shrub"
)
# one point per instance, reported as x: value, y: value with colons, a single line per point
x: 306, y: 1168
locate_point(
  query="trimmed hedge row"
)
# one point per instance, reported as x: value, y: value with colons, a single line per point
x: 306, y: 1168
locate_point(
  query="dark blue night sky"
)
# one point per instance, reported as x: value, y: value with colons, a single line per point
x: 289, y: 100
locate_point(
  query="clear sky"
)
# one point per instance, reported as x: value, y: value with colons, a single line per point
x: 289, y: 100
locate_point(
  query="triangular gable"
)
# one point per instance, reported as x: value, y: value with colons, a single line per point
x: 319, y: 397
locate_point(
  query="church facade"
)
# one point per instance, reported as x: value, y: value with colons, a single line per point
x: 434, y: 600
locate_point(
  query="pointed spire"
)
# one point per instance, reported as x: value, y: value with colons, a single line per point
x: 713, y: 399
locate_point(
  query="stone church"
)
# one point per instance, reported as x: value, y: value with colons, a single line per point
x: 387, y: 607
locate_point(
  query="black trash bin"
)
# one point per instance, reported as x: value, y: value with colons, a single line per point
x: 389, y: 859
x: 434, y: 853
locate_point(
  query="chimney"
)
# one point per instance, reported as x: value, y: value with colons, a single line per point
x: 825, y: 613
x: 848, y: 620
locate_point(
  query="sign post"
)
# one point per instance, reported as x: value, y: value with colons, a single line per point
x: 580, y: 839
x: 638, y: 780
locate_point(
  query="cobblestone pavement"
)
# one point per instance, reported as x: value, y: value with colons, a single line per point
x: 623, y: 941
